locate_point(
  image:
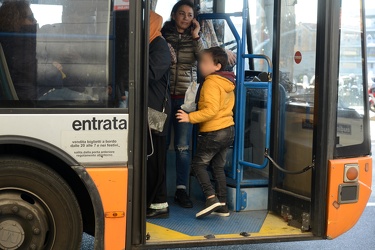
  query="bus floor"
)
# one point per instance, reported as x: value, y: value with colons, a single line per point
x: 183, y: 226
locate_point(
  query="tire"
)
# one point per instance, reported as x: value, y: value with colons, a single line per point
x: 38, y: 210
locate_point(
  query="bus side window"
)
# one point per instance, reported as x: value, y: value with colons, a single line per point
x: 76, y: 56
x: 66, y: 55
x: 122, y: 58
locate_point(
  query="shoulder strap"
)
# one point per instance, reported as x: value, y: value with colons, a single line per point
x: 166, y: 95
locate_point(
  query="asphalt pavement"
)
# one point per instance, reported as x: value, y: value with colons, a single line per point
x: 361, y: 236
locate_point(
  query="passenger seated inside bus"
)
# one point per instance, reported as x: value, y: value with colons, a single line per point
x: 67, y: 67
x: 18, y: 41
x: 59, y: 81
x: 56, y: 72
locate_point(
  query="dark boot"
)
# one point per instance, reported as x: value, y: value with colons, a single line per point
x: 182, y: 199
x: 157, y: 213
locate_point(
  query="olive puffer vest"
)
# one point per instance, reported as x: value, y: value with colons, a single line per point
x: 187, y: 49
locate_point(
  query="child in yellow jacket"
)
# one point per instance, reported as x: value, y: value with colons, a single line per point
x: 215, y: 116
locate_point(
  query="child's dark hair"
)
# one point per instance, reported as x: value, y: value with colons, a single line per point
x: 218, y: 56
x: 179, y: 4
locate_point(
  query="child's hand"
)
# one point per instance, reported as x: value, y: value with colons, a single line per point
x: 182, y: 116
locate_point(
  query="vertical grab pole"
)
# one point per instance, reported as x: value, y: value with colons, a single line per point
x: 235, y: 156
x: 269, y: 106
x: 269, y: 114
x: 240, y: 107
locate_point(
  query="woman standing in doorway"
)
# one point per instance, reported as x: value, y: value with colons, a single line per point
x: 183, y: 33
x: 158, y: 97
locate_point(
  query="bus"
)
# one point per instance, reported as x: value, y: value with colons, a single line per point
x: 73, y: 151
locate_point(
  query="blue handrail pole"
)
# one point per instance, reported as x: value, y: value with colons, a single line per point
x: 237, y: 112
x: 240, y: 117
x: 260, y: 56
x: 269, y: 116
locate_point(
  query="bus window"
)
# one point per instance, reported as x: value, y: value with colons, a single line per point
x: 259, y: 42
x: 261, y: 26
x: 163, y: 8
x: 65, y: 56
x: 351, y: 108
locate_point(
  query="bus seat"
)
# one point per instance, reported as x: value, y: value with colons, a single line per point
x: 250, y: 74
x: 7, y: 90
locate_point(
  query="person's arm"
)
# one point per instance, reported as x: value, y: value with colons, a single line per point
x: 159, y: 59
x: 199, y: 45
x: 211, y: 95
x: 197, y: 40
x: 232, y: 58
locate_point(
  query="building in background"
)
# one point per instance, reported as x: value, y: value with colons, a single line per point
x: 370, y: 23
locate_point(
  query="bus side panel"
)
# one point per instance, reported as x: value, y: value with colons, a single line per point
x: 112, y: 184
x: 343, y: 216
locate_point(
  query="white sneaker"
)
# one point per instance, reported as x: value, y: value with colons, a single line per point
x: 212, y: 205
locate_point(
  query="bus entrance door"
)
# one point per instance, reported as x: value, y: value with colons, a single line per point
x: 293, y: 151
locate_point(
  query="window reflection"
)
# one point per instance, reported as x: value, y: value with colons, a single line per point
x: 19, y: 27
x: 64, y: 54
x: 261, y: 23
x: 47, y: 14
x: 350, y: 129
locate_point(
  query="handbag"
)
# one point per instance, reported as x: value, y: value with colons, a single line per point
x: 157, y: 119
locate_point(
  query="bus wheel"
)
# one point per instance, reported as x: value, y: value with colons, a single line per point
x: 37, y: 208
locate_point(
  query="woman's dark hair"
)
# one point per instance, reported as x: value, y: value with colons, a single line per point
x: 13, y: 15
x: 218, y: 56
x: 178, y: 5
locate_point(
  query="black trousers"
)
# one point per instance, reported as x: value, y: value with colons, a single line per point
x: 156, y: 170
x: 212, y: 148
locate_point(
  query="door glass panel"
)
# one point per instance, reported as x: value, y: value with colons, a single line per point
x: 297, y: 83
x: 350, y: 113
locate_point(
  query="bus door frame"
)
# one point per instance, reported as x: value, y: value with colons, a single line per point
x: 138, y: 75
x: 325, y: 107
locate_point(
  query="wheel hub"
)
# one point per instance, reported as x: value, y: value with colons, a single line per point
x: 23, y: 221
x: 12, y: 235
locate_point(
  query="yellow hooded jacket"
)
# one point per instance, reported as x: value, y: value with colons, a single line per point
x: 216, y: 102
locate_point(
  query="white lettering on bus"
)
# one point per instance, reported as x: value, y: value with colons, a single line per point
x: 95, y: 124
